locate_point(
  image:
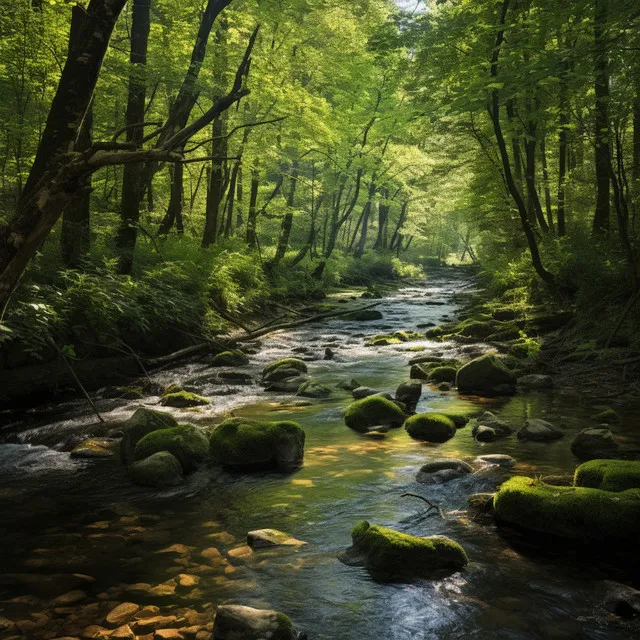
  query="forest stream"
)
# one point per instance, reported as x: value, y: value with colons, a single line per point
x: 65, y: 516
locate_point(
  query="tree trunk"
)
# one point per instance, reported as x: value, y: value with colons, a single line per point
x: 403, y: 216
x: 252, y: 238
x: 75, y: 238
x: 133, y: 178
x: 287, y: 221
x: 383, y: 216
x: 603, y: 153
x: 231, y: 192
x: 562, y: 150
x: 545, y: 181
x: 174, y: 210
x: 635, y: 171
x: 215, y: 192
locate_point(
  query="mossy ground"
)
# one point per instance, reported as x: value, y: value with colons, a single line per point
x: 373, y: 411
x: 580, y: 513
x: 609, y: 475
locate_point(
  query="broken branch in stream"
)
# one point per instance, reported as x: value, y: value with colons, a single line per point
x: 431, y: 505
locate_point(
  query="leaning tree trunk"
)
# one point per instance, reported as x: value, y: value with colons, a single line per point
x: 75, y: 238
x: 133, y: 179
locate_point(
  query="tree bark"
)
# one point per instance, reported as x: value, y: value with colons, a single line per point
x: 252, y: 238
x: 287, y: 220
x: 215, y: 192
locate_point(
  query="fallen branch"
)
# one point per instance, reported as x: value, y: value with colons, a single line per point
x: 431, y: 505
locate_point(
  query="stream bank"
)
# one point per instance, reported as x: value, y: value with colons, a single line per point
x: 64, y: 518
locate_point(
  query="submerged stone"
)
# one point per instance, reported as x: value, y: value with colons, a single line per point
x: 372, y: 411
x: 287, y: 363
x: 235, y: 622
x: 363, y: 392
x: 608, y: 416
x: 183, y: 399
x: 348, y: 385
x: 364, y: 315
x: 432, y: 427
x: 311, y: 389
x: 261, y: 538
x: 486, y: 376
x: 488, y: 420
x: 498, y: 459
x: 95, y: 448
x: 243, y: 443
x: 535, y: 381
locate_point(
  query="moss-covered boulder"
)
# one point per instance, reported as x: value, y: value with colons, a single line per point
x: 432, y: 427
x: 160, y: 469
x: 364, y: 315
x: 235, y: 622
x: 142, y: 422
x: 348, y: 385
x: 434, y: 333
x: 187, y: 443
x: 373, y: 411
x: 285, y: 363
x: 609, y: 475
x: 390, y: 553
x: 183, y: 399
x: 408, y: 336
x: 459, y: 419
x: 382, y: 340
x: 231, y: 358
x: 478, y: 329
x: 608, y: 416
x: 443, y: 374
x: 486, y: 376
x: 311, y: 389
x: 578, y: 513
x: 594, y: 443
x: 249, y: 444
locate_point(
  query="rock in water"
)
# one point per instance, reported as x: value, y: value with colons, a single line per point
x: 363, y: 392
x: 535, y: 381
x: 232, y: 358
x: 539, y: 431
x: 95, y: 448
x: 594, y: 443
x: 249, y: 444
x: 142, y: 422
x: 285, y: 363
x: 486, y: 376
x: 443, y: 470
x: 261, y: 538
x: 235, y: 622
x: 158, y: 470
x: 182, y: 399
x: 489, y: 427
x: 363, y: 315
x: 394, y: 554
x: 432, y: 427
x: 311, y: 389
x: 348, y: 385
x: 498, y: 459
x: 371, y: 412
x: 187, y: 443
x: 409, y: 393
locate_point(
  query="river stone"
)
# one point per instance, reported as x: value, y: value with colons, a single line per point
x: 498, y: 459
x: 363, y: 392
x: 261, y: 538
x: 488, y: 419
x: 535, y: 381
x: 594, y: 443
x: 348, y: 385
x: 484, y: 434
x: 432, y: 427
x: 539, y: 431
x: 235, y: 377
x: 187, y: 443
x: 158, y: 470
x: 142, y: 422
x: 442, y: 470
x: 235, y: 622
x: 285, y: 363
x: 486, y: 376
x: 313, y: 389
x: 232, y: 358
x: 69, y: 599
x: 409, y: 393
x: 281, y: 373
x: 122, y: 614
x: 290, y: 385
x: 364, y: 315
x: 95, y: 448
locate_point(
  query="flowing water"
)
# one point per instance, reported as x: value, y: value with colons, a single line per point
x: 68, y: 516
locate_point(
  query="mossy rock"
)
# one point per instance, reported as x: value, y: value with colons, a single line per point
x: 486, y: 376
x: 183, y: 399
x: 431, y: 427
x: 443, y: 374
x: 418, y: 348
x: 281, y: 373
x: 231, y: 358
x: 95, y: 448
x: 373, y: 411
x: 382, y: 340
x: 608, y: 416
x: 578, y: 513
x: 391, y: 553
x: 409, y: 393
x: 594, y: 443
x: 363, y: 315
x: 460, y: 420
x: 488, y: 420
x: 187, y: 443
x: 311, y: 389
x: 242, y: 443
x: 609, y: 475
x: 285, y: 363
x: 160, y: 469
x: 236, y: 622
x: 408, y: 336
x: 434, y: 333
x: 505, y: 335
x: 503, y: 313
x: 142, y: 422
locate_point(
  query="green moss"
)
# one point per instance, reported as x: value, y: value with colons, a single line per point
x: 382, y: 340
x: 239, y: 442
x: 187, y: 443
x: 180, y: 399
x: 393, y: 552
x: 142, y: 422
x: 443, y: 374
x: 608, y: 416
x: 609, y: 475
x: 486, y: 375
x: 432, y: 427
x: 434, y: 333
x: 579, y: 513
x: 286, y: 363
x: 408, y: 336
x: 417, y: 348
x: 524, y: 348
x: 371, y: 412
x: 459, y: 419
x: 232, y: 358
x: 158, y: 470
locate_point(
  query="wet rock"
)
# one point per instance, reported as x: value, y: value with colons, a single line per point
x: 498, y: 459
x: 160, y: 469
x: 96, y: 448
x: 594, y: 443
x: 311, y: 389
x: 364, y: 315
x: 142, y: 422
x: 392, y: 554
x: 261, y: 538
x: 168, y: 634
x: 231, y: 358
x: 285, y: 364
x: 488, y: 420
x: 69, y: 599
x: 348, y: 385
x: 187, y: 581
x: 486, y: 376
x: 187, y: 443
x: 122, y: 614
x: 445, y: 386
x: 432, y: 427
x: 235, y: 377
x: 281, y: 373
x: 608, y: 416
x: 484, y: 434
x: 622, y: 600
x: 442, y: 470
x: 290, y: 385
x: 373, y: 411
x: 183, y: 399
x: 328, y: 353
x: 123, y: 633
x: 363, y: 392
x: 443, y: 374
x: 609, y: 475
x: 235, y: 622
x: 409, y: 393
x: 539, y: 431
x: 535, y: 381
x: 383, y: 340
x: 248, y: 444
